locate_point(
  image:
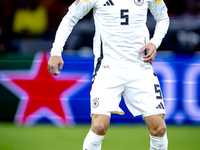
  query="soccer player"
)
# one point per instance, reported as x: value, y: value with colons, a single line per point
x: 123, y: 54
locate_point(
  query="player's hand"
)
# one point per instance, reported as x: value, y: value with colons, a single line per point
x: 149, y: 58
x: 54, y: 62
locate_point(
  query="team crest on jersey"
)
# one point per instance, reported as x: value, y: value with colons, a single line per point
x: 139, y: 2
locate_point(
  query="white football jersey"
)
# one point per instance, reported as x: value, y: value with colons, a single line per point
x: 120, y: 28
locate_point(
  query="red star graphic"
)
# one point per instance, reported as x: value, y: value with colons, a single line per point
x: 44, y: 92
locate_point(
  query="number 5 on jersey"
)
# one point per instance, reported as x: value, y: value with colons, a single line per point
x: 125, y: 17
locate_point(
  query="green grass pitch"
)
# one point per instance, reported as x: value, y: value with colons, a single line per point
x: 119, y: 137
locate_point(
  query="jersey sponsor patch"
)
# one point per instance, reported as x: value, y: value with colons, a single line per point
x: 139, y: 2
x: 158, y: 1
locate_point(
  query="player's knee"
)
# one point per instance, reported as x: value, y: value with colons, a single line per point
x: 100, y: 129
x: 158, y: 131
x: 161, y: 132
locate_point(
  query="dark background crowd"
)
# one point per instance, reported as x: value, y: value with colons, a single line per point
x: 28, y: 26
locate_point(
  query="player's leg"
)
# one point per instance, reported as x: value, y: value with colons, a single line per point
x: 157, y: 128
x: 105, y: 97
x: 99, y: 127
x: 143, y: 97
x: 100, y: 124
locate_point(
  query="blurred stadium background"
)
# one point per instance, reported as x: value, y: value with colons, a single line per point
x: 29, y: 96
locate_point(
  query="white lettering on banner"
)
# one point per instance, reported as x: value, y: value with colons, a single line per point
x: 190, y: 91
x: 169, y: 87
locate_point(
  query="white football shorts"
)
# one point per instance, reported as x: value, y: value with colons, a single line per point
x: 139, y: 87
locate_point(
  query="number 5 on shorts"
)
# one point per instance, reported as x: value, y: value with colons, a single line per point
x: 157, y: 90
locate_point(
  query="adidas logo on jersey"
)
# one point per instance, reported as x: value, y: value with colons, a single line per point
x: 160, y: 106
x: 109, y: 3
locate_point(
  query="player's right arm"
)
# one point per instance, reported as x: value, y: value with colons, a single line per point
x: 76, y: 12
x: 54, y: 62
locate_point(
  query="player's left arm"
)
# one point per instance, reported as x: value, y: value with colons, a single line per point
x: 152, y: 51
x: 159, y: 11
